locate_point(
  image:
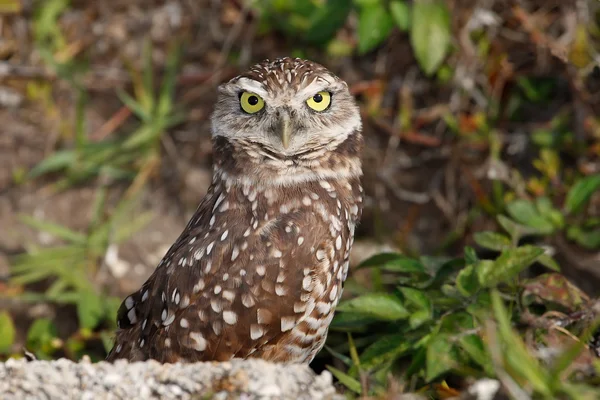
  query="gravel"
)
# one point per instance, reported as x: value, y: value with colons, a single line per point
x: 237, y: 379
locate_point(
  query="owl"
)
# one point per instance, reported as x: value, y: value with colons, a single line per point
x: 258, y: 270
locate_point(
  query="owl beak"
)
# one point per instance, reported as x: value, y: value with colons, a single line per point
x: 286, y: 130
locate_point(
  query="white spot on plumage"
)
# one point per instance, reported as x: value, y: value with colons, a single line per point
x: 169, y: 320
x: 132, y: 316
x: 229, y: 295
x: 260, y: 270
x: 218, y: 202
x: 248, y: 300
x: 280, y: 277
x: 306, y: 201
x: 184, y: 323
x: 185, y: 302
x: 325, y: 185
x: 199, y: 341
x: 287, y: 323
x: 307, y: 282
x: 167, y: 342
x: 224, y: 206
x: 235, y: 253
x: 216, y: 305
x: 212, y: 221
x: 299, y: 307
x: 338, y: 242
x: 256, y: 331
x: 129, y: 302
x: 208, y: 266
x: 281, y: 290
x: 192, y: 240
x: 229, y: 317
x: 224, y: 235
x: 209, y: 247
x: 217, y: 289
x: 145, y: 295
x: 320, y: 255
x: 300, y: 240
x: 277, y: 253
x: 142, y: 342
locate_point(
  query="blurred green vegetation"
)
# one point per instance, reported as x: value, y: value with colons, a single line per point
x: 420, y: 320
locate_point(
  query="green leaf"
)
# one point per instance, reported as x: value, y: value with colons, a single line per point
x: 386, y: 348
x: 401, y: 14
x: 581, y: 192
x: 588, y: 239
x: 374, y: 26
x: 59, y: 231
x: 350, y: 322
x: 381, y: 306
x: 90, y: 309
x: 439, y: 358
x: 526, y: 213
x: 492, y: 240
x: 418, y: 300
x: 40, y: 337
x: 467, y: 282
x: 475, y: 348
x: 548, y: 262
x: 430, y: 33
x: 547, y: 211
x: 516, y: 354
x: 416, y: 297
x: 394, y: 262
x: 346, y: 380
x: 7, y: 332
x: 57, y: 161
x: 470, y: 255
x: 327, y: 20
x: 506, y: 267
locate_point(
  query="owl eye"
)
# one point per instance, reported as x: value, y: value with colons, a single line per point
x: 251, y: 103
x: 320, y: 101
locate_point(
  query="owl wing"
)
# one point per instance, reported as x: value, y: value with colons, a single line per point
x: 230, y: 289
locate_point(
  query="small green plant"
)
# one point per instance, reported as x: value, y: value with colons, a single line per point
x: 540, y: 217
x: 317, y: 22
x: 133, y: 156
x: 69, y: 272
x: 427, y: 318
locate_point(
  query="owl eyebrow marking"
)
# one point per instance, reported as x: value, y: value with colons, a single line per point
x: 250, y: 85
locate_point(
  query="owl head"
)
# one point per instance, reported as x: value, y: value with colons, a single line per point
x: 285, y: 109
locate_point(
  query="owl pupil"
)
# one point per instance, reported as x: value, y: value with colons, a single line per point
x: 253, y: 100
x: 318, y: 98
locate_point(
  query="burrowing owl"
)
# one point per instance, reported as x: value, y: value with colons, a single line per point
x: 258, y: 270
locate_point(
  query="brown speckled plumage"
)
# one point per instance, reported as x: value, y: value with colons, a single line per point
x: 259, y: 268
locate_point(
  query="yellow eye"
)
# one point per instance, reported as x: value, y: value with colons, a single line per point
x: 251, y: 103
x: 320, y: 101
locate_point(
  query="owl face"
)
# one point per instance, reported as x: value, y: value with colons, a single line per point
x: 285, y: 108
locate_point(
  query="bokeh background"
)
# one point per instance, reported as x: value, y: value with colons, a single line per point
x: 475, y: 112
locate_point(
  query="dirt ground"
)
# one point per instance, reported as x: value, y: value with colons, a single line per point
x: 421, y: 184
